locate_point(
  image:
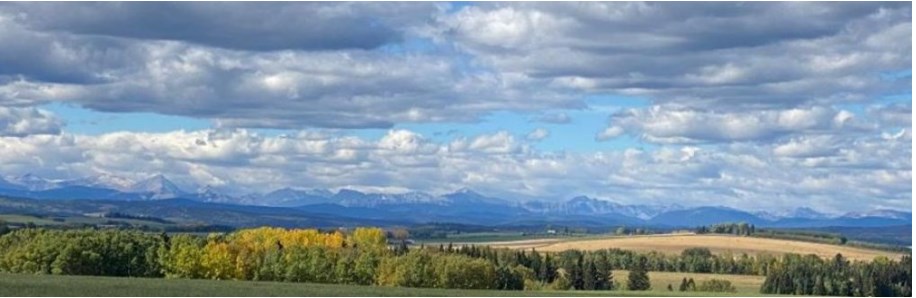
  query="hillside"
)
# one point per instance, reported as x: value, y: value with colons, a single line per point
x: 676, y: 243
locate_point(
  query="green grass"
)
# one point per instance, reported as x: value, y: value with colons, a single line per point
x: 54, y: 285
x: 746, y: 285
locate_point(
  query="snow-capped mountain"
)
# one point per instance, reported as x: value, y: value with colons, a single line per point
x: 884, y: 213
x: 156, y: 187
x: 100, y: 181
x: 353, y: 198
x: 33, y: 182
x: 463, y: 204
x: 4, y: 184
x: 209, y: 194
x: 587, y: 205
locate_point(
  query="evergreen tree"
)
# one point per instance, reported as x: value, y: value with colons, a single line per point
x: 589, y: 277
x: 638, y: 279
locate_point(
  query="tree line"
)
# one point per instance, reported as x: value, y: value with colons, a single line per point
x: 745, y: 229
x: 363, y: 256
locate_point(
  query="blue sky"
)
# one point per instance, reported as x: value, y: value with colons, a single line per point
x: 755, y: 106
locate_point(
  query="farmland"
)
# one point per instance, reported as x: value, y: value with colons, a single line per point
x: 718, y: 244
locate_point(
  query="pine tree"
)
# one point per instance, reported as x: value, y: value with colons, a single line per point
x: 819, y: 288
x: 589, y: 277
x: 638, y: 280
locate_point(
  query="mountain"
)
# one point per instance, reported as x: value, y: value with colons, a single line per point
x: 209, y: 194
x: 288, y: 197
x: 805, y: 212
x: 583, y: 205
x: 100, y: 181
x: 4, y: 184
x: 156, y: 187
x: 353, y: 198
x: 705, y: 216
x: 33, y: 182
x: 463, y: 206
x: 884, y: 213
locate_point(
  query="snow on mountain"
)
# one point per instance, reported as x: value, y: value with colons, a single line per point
x: 156, y: 187
x: 211, y: 195
x: 33, y: 182
x: 101, y: 181
x: 587, y: 205
x: 884, y: 213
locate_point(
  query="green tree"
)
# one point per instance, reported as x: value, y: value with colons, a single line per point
x: 638, y: 279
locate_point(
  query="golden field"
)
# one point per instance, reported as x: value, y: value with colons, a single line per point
x: 676, y: 243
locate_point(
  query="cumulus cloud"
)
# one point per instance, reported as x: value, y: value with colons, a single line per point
x: 538, y: 134
x: 229, y: 25
x: 723, y: 56
x: 19, y: 122
x: 609, y: 133
x: 750, y: 104
x: 343, y: 87
x: 667, y: 124
x: 859, y: 173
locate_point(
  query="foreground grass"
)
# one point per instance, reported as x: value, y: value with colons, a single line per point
x: 54, y: 285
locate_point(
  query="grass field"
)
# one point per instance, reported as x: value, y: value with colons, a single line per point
x: 676, y: 243
x: 52, y: 285
x: 746, y: 285
x: 48, y: 221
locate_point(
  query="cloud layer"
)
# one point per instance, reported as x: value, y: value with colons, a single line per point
x: 746, y: 104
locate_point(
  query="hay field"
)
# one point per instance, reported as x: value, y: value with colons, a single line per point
x: 676, y: 243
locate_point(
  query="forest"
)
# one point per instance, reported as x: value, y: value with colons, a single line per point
x: 364, y: 256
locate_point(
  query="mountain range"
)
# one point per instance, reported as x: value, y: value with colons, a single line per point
x: 462, y: 206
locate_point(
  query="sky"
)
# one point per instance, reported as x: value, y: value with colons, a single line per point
x: 757, y: 106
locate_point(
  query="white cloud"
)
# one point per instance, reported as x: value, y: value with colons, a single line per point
x: 669, y: 124
x: 858, y: 172
x: 27, y: 121
x: 609, y: 133
x: 538, y: 134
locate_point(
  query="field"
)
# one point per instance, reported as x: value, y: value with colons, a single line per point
x: 676, y: 243
x: 64, y: 220
x: 745, y: 284
x: 53, y: 285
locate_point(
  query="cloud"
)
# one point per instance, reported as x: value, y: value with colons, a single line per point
x: 609, y: 133
x: 553, y: 118
x: 20, y: 122
x: 343, y: 88
x: 279, y: 26
x: 667, y: 124
x: 749, y: 104
x: 538, y: 134
x: 712, y: 56
x: 859, y: 173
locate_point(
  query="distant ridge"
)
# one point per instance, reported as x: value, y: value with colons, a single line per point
x: 462, y: 205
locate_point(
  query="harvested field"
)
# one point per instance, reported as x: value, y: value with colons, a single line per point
x: 675, y: 244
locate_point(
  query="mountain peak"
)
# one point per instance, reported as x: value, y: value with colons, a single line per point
x: 159, y: 186
x: 33, y: 182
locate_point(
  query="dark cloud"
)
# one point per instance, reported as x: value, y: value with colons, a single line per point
x: 248, y: 26
x: 708, y: 55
